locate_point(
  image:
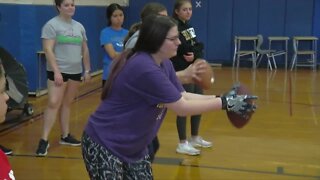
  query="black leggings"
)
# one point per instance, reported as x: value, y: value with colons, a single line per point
x: 153, y: 148
x: 195, y: 120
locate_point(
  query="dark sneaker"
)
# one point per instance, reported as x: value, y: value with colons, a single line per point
x: 42, y: 148
x: 7, y: 151
x: 69, y: 140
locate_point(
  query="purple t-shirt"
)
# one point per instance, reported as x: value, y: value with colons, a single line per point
x: 127, y: 121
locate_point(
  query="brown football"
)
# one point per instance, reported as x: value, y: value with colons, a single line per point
x: 207, y: 77
x: 237, y: 120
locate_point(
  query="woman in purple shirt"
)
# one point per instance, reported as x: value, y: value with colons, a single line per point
x: 141, y: 87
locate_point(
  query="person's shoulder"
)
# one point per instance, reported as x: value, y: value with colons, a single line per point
x: 179, y: 21
x: 52, y: 21
x: 55, y: 18
x: 142, y: 55
x: 142, y: 62
x: 136, y: 33
x: 107, y: 29
x: 132, y: 40
x: 125, y: 30
x: 77, y: 23
x: 142, y: 58
x: 103, y: 29
x: 50, y: 24
x: 134, y: 37
x: 167, y: 63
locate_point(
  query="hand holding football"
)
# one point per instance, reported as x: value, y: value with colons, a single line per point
x: 240, y: 120
x: 204, y: 74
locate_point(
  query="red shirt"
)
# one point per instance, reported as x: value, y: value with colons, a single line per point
x: 5, y: 169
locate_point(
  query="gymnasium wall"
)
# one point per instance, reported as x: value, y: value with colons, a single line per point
x: 216, y: 23
x: 20, y: 30
x: 316, y: 19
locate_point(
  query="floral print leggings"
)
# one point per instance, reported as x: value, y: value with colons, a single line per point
x: 102, y: 165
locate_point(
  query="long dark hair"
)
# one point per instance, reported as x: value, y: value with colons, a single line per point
x: 153, y: 32
x: 110, y: 9
x: 58, y: 2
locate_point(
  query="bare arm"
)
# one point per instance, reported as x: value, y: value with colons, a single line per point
x: 185, y: 107
x: 184, y: 76
x: 86, y: 60
x: 192, y: 104
x: 193, y: 96
x: 110, y: 50
x: 48, y: 45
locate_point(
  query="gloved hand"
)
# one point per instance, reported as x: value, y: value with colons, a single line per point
x: 240, y: 104
x: 233, y: 91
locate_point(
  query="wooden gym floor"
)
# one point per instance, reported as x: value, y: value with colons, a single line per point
x: 282, y: 140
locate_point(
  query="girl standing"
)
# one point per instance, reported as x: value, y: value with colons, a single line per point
x: 189, y: 50
x: 65, y: 45
x: 111, y: 37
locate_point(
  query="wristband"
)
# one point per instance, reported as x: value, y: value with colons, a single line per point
x: 224, y: 103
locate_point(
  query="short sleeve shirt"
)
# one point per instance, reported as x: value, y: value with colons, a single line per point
x: 5, y: 168
x: 68, y: 37
x: 115, y: 37
x: 128, y: 120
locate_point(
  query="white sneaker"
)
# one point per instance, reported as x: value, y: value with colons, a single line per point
x: 186, y: 148
x: 199, y: 142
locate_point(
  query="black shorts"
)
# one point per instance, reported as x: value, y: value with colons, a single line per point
x: 66, y: 77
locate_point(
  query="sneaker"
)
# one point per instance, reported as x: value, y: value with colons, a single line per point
x: 69, y: 140
x: 7, y: 151
x: 42, y: 148
x: 199, y: 142
x: 186, y: 148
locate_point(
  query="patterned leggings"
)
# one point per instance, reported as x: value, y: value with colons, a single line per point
x: 102, y: 165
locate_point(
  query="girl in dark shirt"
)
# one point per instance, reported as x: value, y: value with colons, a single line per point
x: 188, y: 51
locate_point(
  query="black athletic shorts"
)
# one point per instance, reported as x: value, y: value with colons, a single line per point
x: 66, y: 77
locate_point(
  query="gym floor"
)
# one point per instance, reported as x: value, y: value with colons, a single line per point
x: 281, y: 141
